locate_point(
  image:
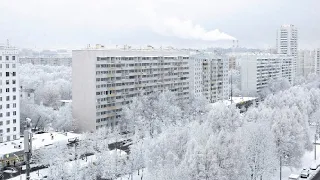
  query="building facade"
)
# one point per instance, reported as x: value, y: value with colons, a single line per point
x: 47, y: 60
x: 317, y: 61
x: 306, y: 63
x: 287, y: 44
x: 209, y: 76
x: 258, y: 69
x: 9, y: 94
x: 104, y: 80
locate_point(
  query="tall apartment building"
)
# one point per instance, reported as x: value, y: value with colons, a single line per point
x: 9, y: 94
x: 317, y: 61
x: 209, y: 76
x: 104, y: 80
x: 287, y: 43
x: 258, y: 69
x: 47, y: 60
x: 306, y: 63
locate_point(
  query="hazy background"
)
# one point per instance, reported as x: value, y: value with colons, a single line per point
x: 182, y: 23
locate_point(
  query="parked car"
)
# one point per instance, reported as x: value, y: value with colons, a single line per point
x: 305, y: 173
x: 294, y: 177
x: 314, y: 165
x: 10, y: 170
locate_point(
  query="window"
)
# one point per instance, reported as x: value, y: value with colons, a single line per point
x: 7, y: 82
x: 14, y: 89
x: 14, y: 97
x: 14, y: 113
x: 7, y: 114
x: 13, y: 65
x: 1, y: 131
x: 8, y: 130
x: 13, y: 57
x: 0, y: 114
x: 14, y: 128
x: 0, y: 58
x: 8, y: 106
x: 14, y: 105
x: 8, y: 98
x: 7, y: 90
x: 0, y: 98
x: 14, y: 121
x: 7, y: 66
x: 1, y: 123
x: 14, y: 136
x: 7, y: 58
x: 14, y: 74
x: 13, y: 81
x: 7, y: 74
x: 7, y: 122
x: 8, y: 137
x: 0, y: 65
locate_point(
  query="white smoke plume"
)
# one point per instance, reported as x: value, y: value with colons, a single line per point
x: 172, y: 26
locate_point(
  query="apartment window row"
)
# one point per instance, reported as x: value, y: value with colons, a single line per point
x: 8, y: 65
x: 14, y: 97
x: 8, y: 90
x: 14, y: 121
x: 7, y: 58
x: 8, y: 130
x: 139, y: 58
x: 12, y: 74
x: 14, y: 113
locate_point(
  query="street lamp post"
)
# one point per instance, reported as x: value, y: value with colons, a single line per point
x: 20, y: 168
x: 28, y: 146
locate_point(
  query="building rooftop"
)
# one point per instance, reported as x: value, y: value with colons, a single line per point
x: 38, y: 141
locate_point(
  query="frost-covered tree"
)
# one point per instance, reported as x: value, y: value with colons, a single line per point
x: 260, y: 151
x: 274, y: 86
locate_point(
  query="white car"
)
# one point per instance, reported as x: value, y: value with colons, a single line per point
x: 294, y: 177
x: 314, y: 165
x: 10, y: 170
x: 305, y: 173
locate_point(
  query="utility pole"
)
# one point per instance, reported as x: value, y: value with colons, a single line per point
x: 315, y: 147
x: 280, y: 167
x: 231, y: 88
x: 28, y: 146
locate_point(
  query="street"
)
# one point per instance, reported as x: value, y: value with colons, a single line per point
x: 316, y: 177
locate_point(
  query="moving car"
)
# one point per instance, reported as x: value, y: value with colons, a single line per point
x: 304, y: 173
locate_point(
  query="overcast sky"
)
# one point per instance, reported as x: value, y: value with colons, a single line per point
x: 183, y: 23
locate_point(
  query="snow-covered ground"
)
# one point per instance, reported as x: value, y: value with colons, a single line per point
x: 38, y: 141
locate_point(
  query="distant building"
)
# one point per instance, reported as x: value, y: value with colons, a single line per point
x: 258, y: 69
x: 27, y: 95
x: 47, y: 60
x: 104, y: 80
x: 9, y: 94
x: 287, y: 44
x: 306, y: 62
x: 317, y: 61
x: 209, y: 76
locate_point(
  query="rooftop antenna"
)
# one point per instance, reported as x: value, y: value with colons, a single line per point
x: 8, y: 44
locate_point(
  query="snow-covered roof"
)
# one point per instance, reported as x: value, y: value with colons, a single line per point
x: 38, y: 141
x: 66, y: 101
x: 236, y: 100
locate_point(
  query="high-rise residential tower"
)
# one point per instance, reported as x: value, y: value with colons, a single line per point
x: 9, y: 94
x: 287, y: 44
